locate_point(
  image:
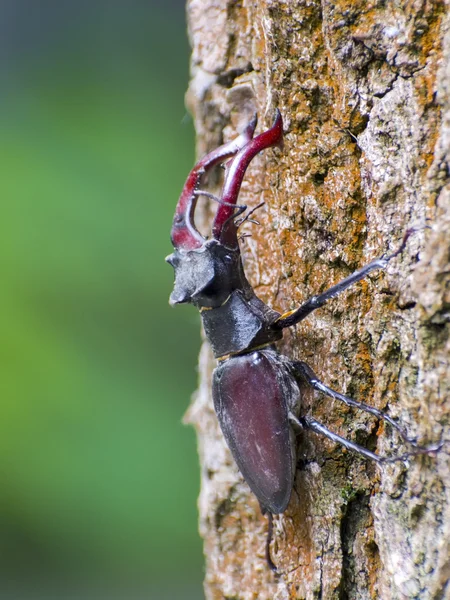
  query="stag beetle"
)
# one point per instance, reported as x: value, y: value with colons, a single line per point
x: 256, y: 390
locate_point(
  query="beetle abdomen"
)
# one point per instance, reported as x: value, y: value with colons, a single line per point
x: 251, y: 395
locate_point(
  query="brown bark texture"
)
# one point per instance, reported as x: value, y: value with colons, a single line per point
x: 364, y: 90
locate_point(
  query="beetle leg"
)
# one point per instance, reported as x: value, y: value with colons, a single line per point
x: 295, y: 423
x: 307, y: 374
x: 295, y: 316
x: 269, y: 538
x: 317, y: 427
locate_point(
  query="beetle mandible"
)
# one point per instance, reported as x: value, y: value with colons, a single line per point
x: 256, y: 390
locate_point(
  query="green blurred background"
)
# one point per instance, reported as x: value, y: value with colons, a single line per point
x: 99, y: 478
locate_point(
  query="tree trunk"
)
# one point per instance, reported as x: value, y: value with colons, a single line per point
x: 364, y: 90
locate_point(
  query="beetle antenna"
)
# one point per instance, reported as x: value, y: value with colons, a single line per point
x: 269, y: 560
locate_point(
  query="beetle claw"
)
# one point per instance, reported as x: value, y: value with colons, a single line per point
x: 184, y: 234
x: 224, y: 230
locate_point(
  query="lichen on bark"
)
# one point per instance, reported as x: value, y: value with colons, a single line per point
x: 364, y: 89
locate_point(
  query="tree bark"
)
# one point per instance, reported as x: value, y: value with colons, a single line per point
x: 364, y: 90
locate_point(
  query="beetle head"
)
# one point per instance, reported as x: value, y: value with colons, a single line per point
x: 205, y: 276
